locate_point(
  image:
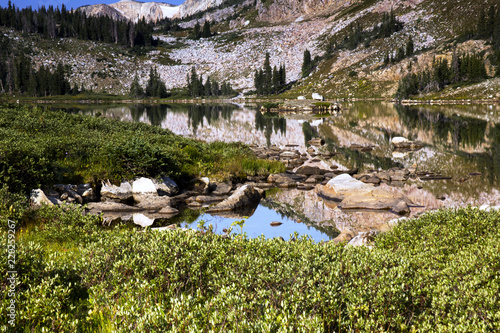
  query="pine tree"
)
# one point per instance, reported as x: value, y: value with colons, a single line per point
x: 306, y: 63
x: 268, y: 75
x: 206, y: 30
x: 409, y: 47
x: 136, y: 90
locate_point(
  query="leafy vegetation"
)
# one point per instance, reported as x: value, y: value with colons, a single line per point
x: 43, y: 147
x: 438, y: 273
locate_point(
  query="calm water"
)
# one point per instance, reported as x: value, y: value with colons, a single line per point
x: 459, y: 140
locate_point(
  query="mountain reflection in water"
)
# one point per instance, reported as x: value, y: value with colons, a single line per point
x: 462, y: 142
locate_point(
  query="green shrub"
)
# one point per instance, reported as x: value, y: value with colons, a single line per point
x: 438, y: 273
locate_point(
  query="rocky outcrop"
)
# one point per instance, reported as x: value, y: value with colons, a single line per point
x: 354, y: 194
x: 190, y: 7
x: 245, y: 196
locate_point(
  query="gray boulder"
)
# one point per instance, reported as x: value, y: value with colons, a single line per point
x: 311, y: 170
x: 246, y: 195
x: 154, y: 202
x: 38, y: 198
x: 166, y: 186
x: 122, y: 193
x: 110, y: 206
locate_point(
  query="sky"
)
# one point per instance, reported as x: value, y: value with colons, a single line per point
x: 70, y: 3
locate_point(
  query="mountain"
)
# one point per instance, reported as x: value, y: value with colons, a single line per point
x: 133, y: 10
x: 352, y: 57
x: 190, y: 7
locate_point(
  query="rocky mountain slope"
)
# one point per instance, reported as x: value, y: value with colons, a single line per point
x: 248, y: 29
x: 133, y: 10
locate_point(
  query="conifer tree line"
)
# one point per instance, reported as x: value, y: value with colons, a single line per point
x: 18, y: 75
x: 154, y: 88
x: 358, y: 35
x: 465, y: 68
x: 53, y: 22
x: 403, y: 52
x: 199, y: 32
x: 196, y: 88
x: 270, y: 80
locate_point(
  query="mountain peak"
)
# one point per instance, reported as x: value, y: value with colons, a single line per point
x: 133, y: 10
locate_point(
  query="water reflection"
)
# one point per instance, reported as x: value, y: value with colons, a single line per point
x: 459, y: 140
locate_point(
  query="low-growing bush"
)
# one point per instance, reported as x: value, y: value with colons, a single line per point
x: 44, y: 147
x: 437, y: 273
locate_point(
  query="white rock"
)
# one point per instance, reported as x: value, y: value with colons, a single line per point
x: 142, y: 220
x: 38, y: 198
x: 398, y: 139
x: 318, y: 97
x: 301, y: 97
x: 143, y: 186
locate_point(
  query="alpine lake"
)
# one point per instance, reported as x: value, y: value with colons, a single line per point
x: 461, y: 143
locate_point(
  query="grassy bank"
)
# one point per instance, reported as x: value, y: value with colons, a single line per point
x: 43, y: 147
x: 439, y: 273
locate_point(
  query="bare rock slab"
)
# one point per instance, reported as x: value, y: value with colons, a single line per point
x: 356, y: 195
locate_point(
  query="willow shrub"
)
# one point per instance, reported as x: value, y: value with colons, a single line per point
x: 438, y: 273
x: 44, y: 147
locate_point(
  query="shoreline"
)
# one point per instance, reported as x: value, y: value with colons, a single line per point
x: 254, y: 100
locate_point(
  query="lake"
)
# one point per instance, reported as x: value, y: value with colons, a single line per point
x: 460, y: 141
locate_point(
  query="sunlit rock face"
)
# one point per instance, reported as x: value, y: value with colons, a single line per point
x: 133, y: 10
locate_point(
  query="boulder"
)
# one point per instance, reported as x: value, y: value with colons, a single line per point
x: 246, y: 195
x: 363, y: 239
x: 301, y: 98
x: 354, y: 194
x: 68, y: 193
x: 38, y: 198
x: 206, y: 199
x: 143, y: 189
x: 405, y: 144
x: 311, y: 170
x: 222, y: 188
x: 345, y: 236
x: 122, y: 193
x: 276, y: 224
x: 317, y: 97
x: 142, y: 220
x: 166, y: 186
x: 343, y: 185
x: 168, y: 210
x: 154, y: 202
x: 285, y: 179
x: 110, y: 206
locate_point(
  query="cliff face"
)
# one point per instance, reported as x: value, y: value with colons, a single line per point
x: 133, y: 10
x: 190, y: 7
